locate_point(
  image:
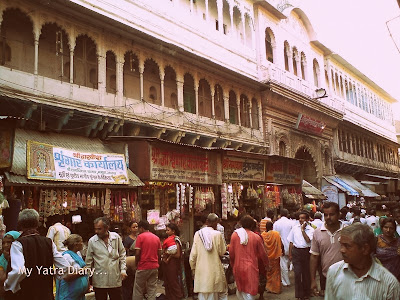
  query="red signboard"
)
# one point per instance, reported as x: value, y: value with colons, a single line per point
x: 173, y: 163
x: 308, y: 124
x: 284, y: 171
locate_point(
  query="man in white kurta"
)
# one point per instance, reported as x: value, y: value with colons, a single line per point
x: 284, y: 226
x: 208, y: 247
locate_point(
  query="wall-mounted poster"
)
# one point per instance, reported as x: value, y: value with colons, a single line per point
x: 6, y: 142
x: 47, y: 162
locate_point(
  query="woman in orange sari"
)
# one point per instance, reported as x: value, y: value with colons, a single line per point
x: 273, y: 244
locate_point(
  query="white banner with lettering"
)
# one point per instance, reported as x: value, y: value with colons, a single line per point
x: 47, y: 162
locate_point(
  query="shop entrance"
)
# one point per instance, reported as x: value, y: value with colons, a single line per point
x: 309, y: 170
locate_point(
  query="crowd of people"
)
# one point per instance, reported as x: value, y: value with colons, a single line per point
x: 356, y: 256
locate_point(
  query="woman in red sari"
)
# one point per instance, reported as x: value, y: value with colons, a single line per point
x: 273, y: 244
x: 174, y: 276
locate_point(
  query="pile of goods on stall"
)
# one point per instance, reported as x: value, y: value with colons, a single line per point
x: 120, y: 206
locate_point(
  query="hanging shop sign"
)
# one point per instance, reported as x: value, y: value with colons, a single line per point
x: 6, y: 142
x: 284, y: 171
x: 241, y: 169
x: 171, y: 163
x: 47, y: 162
x: 331, y: 192
x: 308, y: 124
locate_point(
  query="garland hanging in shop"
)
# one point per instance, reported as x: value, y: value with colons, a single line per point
x: 224, y: 201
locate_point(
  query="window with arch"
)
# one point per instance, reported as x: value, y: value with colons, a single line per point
x: 17, y: 42
x: 151, y: 82
x: 131, y: 76
x: 219, y: 103
x: 238, y: 24
x: 282, y: 148
x: 248, y: 30
x: 189, y: 94
x: 269, y: 51
x: 255, y: 114
x: 286, y: 55
x: 244, y: 111
x: 153, y: 94
x: 53, y: 53
x: 170, y: 88
x: 205, y: 100
x: 85, y: 62
x: 226, y: 17
x: 111, y: 72
x: 316, y: 71
x: 233, y: 109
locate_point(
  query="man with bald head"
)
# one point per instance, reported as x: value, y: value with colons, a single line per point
x: 208, y: 247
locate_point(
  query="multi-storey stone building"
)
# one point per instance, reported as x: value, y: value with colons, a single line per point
x: 233, y: 74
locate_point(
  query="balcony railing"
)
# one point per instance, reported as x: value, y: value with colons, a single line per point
x: 272, y: 72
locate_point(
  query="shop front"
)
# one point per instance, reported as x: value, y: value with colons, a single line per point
x: 284, y: 182
x: 77, y: 177
x: 182, y: 183
x: 242, y: 191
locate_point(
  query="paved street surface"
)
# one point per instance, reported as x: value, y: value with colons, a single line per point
x: 287, y: 293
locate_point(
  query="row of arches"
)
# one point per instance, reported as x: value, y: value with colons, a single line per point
x: 356, y: 144
x: 230, y: 19
x: 136, y: 79
x: 356, y: 94
x: 295, y: 61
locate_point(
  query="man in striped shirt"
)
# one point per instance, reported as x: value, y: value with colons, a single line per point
x: 358, y: 275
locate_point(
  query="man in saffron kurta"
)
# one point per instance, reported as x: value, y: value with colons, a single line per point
x: 273, y: 244
x: 245, y: 250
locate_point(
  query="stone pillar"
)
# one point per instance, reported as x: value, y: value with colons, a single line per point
x: 141, y: 71
x: 290, y: 59
x: 250, y: 116
x: 260, y: 118
x: 334, y: 84
x: 298, y: 64
x: 238, y: 109
x: 162, y: 76
x: 226, y: 104
x: 36, y: 64
x: 179, y: 86
x: 120, y: 81
x: 196, y: 90
x: 344, y: 88
x: 212, y: 88
x: 71, y: 66
x: 101, y: 78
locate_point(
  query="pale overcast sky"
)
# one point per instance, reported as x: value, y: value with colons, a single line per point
x: 356, y: 29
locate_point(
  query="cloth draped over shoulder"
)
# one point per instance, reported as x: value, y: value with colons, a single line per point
x: 72, y: 290
x: 205, y: 237
x: 243, y: 236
